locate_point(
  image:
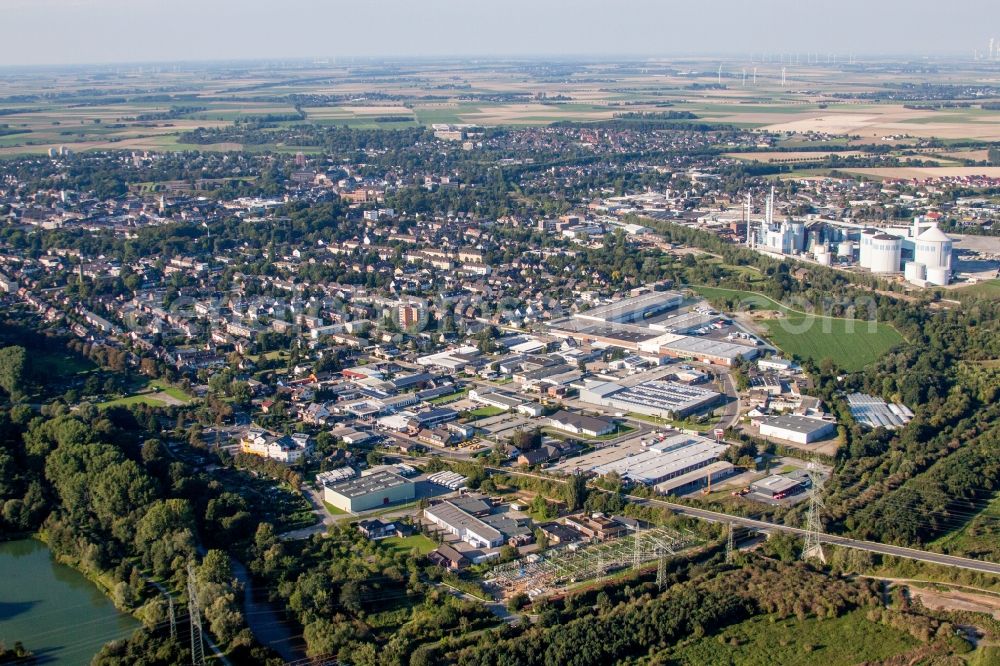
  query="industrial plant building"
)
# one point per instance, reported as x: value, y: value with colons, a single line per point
x: 921, y: 252
x: 663, y: 399
x: 368, y: 492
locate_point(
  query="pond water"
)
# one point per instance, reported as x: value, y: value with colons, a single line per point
x: 54, y: 610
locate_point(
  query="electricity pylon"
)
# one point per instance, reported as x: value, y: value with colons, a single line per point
x: 197, y: 644
x: 814, y: 522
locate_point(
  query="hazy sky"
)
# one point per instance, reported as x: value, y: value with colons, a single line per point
x: 86, y: 31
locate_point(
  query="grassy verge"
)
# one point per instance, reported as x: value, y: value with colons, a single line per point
x: 334, y: 510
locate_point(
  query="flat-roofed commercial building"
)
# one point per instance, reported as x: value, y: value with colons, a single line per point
x: 498, y: 399
x: 663, y: 399
x: 368, y: 492
x: 581, y: 424
x: 798, y: 429
x: 635, y: 308
x: 709, y: 350
x: 776, y: 486
x: 665, y: 460
x: 603, y: 334
x: 696, y: 479
x: 467, y: 527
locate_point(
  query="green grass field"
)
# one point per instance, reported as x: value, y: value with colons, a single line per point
x: 851, y: 343
x: 142, y: 399
x: 989, y: 289
x: 148, y: 395
x: 843, y: 641
x: 405, y: 544
x: 451, y: 397
x: 486, y: 411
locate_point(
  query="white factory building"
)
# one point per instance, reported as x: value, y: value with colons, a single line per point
x: 922, y: 252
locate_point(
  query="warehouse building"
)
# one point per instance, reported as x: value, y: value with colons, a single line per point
x: 663, y: 399
x: 368, y: 492
x: 667, y: 459
x: 699, y: 478
x: 469, y: 520
x: 799, y: 429
x: 776, y: 486
x: 634, y: 309
x: 580, y: 424
x: 498, y: 399
x: 708, y: 350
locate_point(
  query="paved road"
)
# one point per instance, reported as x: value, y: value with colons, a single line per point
x: 326, y: 519
x: 731, y: 412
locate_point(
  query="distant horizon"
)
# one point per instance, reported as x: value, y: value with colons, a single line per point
x: 345, y: 60
x: 55, y: 33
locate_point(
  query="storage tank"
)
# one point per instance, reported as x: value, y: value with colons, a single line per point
x: 823, y: 258
x: 914, y: 272
x: 939, y: 276
x: 885, y: 252
x: 845, y: 249
x: 933, y: 249
x: 865, y: 247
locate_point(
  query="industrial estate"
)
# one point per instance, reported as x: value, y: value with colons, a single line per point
x: 569, y: 361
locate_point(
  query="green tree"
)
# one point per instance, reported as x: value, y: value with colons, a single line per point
x: 13, y: 370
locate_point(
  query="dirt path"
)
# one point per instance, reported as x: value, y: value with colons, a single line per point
x: 965, y: 599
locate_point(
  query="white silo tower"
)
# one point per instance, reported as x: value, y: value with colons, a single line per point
x: 933, y: 249
x: 865, y: 247
x: 845, y: 249
x: 885, y: 252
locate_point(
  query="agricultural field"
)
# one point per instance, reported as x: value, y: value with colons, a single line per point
x: 851, y: 343
x: 100, y: 110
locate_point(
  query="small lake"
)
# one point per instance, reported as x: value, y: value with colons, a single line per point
x: 55, y: 611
